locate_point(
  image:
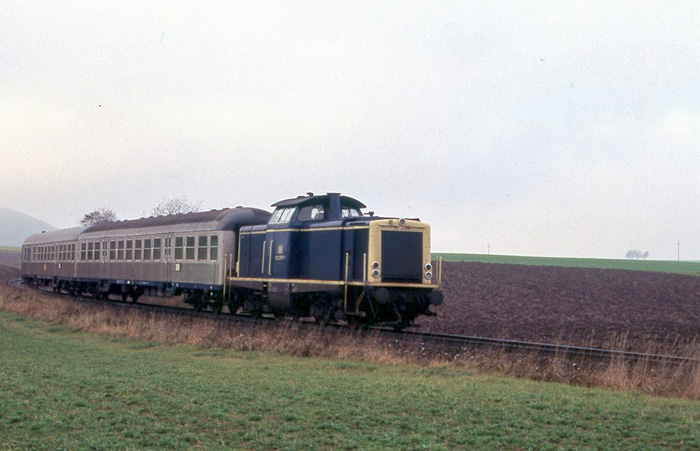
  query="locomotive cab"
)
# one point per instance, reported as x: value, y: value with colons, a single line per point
x: 319, y: 256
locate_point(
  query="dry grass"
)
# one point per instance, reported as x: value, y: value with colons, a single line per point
x: 292, y: 338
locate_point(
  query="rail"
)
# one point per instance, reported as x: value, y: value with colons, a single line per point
x: 548, y: 348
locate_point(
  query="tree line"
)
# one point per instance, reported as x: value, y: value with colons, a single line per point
x: 635, y: 254
x: 175, y: 206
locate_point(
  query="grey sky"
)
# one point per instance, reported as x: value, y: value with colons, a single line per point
x: 540, y: 128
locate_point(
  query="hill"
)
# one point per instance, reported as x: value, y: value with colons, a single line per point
x: 15, y: 227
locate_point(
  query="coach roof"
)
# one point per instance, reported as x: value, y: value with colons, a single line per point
x: 226, y: 219
x: 55, y: 236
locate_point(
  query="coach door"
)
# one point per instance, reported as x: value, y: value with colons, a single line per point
x: 168, y: 258
x: 104, y: 253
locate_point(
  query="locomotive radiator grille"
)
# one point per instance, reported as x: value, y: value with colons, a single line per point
x: 402, y: 256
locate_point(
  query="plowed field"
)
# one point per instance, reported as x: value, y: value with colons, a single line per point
x: 571, y: 305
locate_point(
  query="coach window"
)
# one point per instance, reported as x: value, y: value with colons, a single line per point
x: 179, y: 247
x: 83, y: 252
x: 112, y: 250
x: 202, y: 248
x: 98, y: 248
x: 147, y: 249
x: 120, y: 250
x: 156, y: 249
x: 137, y: 250
x: 189, y: 248
x: 72, y: 252
x: 214, y: 247
x: 129, y: 250
x: 90, y: 252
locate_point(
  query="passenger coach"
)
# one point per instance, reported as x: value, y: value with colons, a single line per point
x: 157, y: 256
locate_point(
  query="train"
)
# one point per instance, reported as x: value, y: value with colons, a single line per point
x: 314, y: 256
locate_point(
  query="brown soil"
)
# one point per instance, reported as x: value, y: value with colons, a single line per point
x: 13, y: 259
x: 8, y: 273
x: 574, y: 305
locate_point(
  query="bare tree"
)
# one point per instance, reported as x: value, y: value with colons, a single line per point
x: 98, y: 216
x: 634, y: 254
x: 176, y: 206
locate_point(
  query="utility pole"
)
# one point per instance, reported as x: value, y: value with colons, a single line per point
x: 679, y: 251
x: 488, y: 249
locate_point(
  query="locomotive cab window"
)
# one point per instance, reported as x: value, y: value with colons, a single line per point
x: 351, y: 212
x: 311, y: 213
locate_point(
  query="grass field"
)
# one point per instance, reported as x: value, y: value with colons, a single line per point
x: 13, y: 249
x: 682, y: 267
x: 68, y: 389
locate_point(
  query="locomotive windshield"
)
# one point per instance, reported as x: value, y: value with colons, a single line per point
x: 281, y: 215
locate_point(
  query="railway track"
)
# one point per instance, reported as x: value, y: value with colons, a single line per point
x: 548, y: 348
x: 451, y: 341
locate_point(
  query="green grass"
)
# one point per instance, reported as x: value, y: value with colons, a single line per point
x: 12, y: 249
x: 682, y: 267
x: 65, y: 389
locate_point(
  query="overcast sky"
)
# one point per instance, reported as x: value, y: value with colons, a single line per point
x: 539, y: 128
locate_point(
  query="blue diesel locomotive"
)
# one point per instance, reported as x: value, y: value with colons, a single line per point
x: 315, y: 256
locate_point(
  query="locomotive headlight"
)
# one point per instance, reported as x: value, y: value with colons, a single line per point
x: 428, y: 275
x: 375, y: 273
x: 402, y: 222
x: 428, y: 267
x: 375, y: 265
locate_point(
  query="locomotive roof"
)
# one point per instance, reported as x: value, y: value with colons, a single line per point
x: 345, y: 201
x: 226, y: 219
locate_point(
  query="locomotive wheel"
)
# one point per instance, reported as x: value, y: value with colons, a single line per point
x: 256, y: 313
